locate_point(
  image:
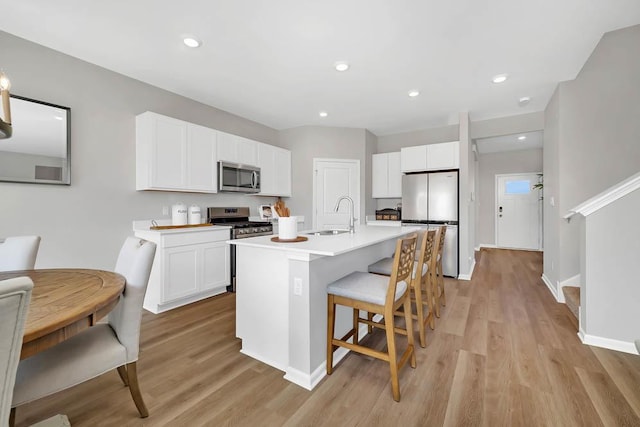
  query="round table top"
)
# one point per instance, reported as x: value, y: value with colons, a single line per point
x: 62, y: 297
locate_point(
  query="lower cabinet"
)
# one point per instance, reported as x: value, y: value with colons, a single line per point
x: 188, y: 267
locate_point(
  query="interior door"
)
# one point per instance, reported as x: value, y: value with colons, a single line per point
x: 334, y: 178
x: 517, y: 211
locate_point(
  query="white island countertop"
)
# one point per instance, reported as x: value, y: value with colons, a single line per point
x: 330, y: 245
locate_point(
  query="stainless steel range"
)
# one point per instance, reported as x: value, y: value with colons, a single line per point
x: 241, y: 228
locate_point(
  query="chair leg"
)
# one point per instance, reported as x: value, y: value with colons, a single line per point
x: 122, y: 371
x: 409, y: 321
x: 441, y: 284
x: 417, y: 289
x: 356, y: 324
x: 331, y: 320
x: 391, y: 348
x: 134, y: 389
x: 12, y: 417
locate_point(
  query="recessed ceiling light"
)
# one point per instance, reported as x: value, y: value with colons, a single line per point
x: 414, y: 93
x: 323, y: 114
x: 191, y: 42
x: 522, y: 138
x: 341, y: 66
x: 500, y: 78
x: 524, y: 101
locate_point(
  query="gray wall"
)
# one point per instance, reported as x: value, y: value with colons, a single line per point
x: 597, y: 134
x: 309, y: 142
x: 85, y: 224
x: 390, y: 143
x: 489, y: 166
x: 507, y: 125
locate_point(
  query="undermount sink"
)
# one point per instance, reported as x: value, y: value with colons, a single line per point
x: 327, y: 232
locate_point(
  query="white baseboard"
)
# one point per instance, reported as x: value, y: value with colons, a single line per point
x: 608, y: 343
x: 309, y: 381
x: 547, y: 282
x: 485, y: 245
x: 571, y: 281
x: 468, y: 276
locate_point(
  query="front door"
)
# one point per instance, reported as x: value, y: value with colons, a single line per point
x: 518, y: 220
x: 334, y: 178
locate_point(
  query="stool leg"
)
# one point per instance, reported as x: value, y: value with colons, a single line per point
x: 441, y: 285
x: 370, y: 318
x: 356, y: 314
x: 391, y: 348
x: 417, y: 289
x: 331, y: 320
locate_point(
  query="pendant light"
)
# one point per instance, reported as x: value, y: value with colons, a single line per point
x: 5, y: 119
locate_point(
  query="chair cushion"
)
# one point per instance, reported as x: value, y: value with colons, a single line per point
x: 385, y: 266
x: 365, y: 287
x: 78, y: 359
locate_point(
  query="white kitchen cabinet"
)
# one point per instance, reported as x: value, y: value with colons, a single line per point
x: 443, y: 156
x: 413, y: 159
x: 432, y: 157
x: 189, y: 265
x: 236, y: 149
x: 172, y: 154
x: 275, y: 170
x: 386, y: 176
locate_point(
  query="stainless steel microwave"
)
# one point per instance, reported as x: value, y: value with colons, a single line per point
x: 239, y: 178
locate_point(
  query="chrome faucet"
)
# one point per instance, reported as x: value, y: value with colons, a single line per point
x: 352, y: 219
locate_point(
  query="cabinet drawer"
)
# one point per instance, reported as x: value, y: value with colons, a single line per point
x: 195, y: 237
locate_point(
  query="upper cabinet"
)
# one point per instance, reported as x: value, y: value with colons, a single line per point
x: 236, y: 149
x: 431, y: 157
x: 386, y: 176
x: 174, y: 155
x: 275, y: 170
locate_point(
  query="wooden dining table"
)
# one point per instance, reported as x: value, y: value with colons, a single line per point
x: 64, y: 302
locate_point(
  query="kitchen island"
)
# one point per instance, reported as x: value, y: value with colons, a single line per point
x: 281, y: 299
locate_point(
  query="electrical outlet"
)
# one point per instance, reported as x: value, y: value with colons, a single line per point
x: 297, y: 286
x: 165, y: 210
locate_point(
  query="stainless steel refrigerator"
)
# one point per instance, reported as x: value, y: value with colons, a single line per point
x: 431, y: 200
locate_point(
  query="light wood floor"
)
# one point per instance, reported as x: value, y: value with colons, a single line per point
x: 504, y: 353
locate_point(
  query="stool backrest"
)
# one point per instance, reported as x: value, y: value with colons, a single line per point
x: 427, y: 255
x: 402, y: 265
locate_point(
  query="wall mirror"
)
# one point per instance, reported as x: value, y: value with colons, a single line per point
x: 39, y: 151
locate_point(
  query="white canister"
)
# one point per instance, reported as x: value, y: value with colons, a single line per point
x: 195, y: 215
x: 179, y: 214
x: 287, y: 227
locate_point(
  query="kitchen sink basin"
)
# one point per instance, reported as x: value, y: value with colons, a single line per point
x: 327, y: 232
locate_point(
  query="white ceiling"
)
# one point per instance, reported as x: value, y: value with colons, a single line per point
x: 272, y: 61
x: 498, y: 144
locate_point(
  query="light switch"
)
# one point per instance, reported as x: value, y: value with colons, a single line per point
x: 297, y: 286
x: 552, y: 201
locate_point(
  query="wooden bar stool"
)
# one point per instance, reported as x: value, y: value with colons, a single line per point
x: 422, y: 284
x: 379, y: 295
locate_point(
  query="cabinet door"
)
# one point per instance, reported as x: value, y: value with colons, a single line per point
x: 266, y: 162
x: 180, y: 276
x: 216, y: 267
x: 282, y: 162
x: 379, y: 180
x: 227, y: 147
x: 413, y: 159
x: 443, y: 156
x: 201, y: 159
x: 247, y: 151
x: 394, y: 175
x: 169, y: 153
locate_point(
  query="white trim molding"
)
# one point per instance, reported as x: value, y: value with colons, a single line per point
x: 608, y: 196
x: 547, y: 282
x: 485, y: 245
x: 571, y: 281
x: 608, y: 343
x: 468, y: 276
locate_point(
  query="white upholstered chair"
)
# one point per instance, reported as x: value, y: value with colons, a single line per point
x: 19, y: 253
x: 101, y: 348
x: 378, y: 295
x: 15, y: 295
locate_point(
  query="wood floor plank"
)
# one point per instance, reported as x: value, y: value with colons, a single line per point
x: 504, y: 353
